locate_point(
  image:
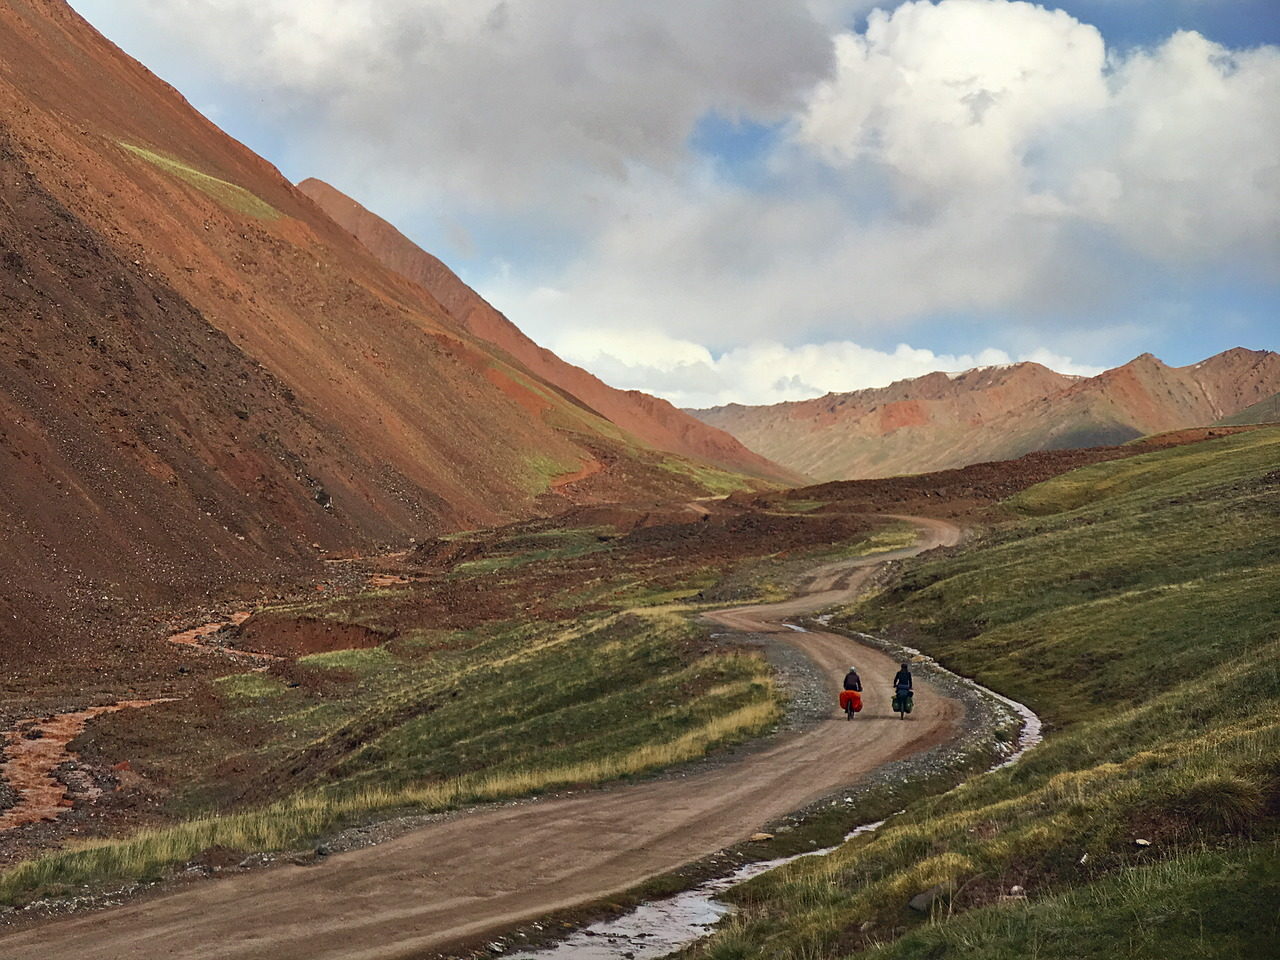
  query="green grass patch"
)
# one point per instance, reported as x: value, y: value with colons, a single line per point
x: 503, y: 711
x: 1137, y: 610
x: 540, y: 470
x: 896, y: 536
x: 149, y: 854
x: 1216, y: 905
x: 228, y: 194
x: 365, y: 661
x: 1200, y: 464
x: 539, y: 546
x: 798, y: 506
x: 713, y: 480
x: 248, y: 686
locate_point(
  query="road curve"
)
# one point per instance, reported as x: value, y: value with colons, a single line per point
x: 495, y: 867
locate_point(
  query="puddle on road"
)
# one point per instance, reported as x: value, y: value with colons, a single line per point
x: 661, y: 927
x: 34, y: 749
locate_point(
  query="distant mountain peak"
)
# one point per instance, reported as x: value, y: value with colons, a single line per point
x: 1144, y: 360
x: 943, y: 420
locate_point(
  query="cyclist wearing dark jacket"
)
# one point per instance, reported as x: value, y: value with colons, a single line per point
x: 902, y: 679
x: 852, y: 681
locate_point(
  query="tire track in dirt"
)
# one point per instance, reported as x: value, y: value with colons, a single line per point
x: 494, y: 867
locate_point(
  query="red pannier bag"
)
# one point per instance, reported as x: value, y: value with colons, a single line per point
x: 850, y: 697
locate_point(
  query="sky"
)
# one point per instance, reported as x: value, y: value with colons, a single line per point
x: 717, y: 201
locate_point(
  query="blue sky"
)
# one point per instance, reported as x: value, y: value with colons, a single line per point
x: 1234, y: 23
x: 724, y: 203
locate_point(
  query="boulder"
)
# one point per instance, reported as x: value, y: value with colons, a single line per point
x: 923, y: 902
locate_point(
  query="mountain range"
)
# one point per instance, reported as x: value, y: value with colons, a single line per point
x: 210, y: 376
x: 946, y: 420
x: 205, y: 379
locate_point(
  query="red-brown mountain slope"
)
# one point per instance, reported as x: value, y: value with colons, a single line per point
x: 941, y: 421
x: 201, y: 374
x: 649, y: 418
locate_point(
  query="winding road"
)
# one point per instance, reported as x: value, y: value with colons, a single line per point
x: 492, y: 868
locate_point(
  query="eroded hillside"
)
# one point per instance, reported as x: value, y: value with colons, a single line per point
x: 653, y: 420
x: 206, y: 381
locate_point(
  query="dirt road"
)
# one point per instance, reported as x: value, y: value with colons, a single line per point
x: 495, y: 867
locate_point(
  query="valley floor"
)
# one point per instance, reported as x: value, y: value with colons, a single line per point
x: 494, y: 867
x: 559, y: 655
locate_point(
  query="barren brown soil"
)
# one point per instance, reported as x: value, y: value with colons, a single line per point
x: 496, y: 867
x: 300, y: 636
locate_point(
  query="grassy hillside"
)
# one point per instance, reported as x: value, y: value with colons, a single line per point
x: 517, y: 710
x: 523, y: 659
x: 1264, y: 411
x: 1136, y: 607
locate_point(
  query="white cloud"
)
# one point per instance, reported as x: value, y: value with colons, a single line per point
x: 973, y: 158
x: 970, y: 156
x: 949, y: 97
x: 1188, y: 154
x: 506, y: 105
x: 1171, y: 152
x: 765, y: 371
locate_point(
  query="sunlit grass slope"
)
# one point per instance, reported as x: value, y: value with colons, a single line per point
x: 230, y: 195
x: 1139, y: 612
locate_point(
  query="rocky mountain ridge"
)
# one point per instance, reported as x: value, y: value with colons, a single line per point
x: 945, y: 420
x: 649, y: 418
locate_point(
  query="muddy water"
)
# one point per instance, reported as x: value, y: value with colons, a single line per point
x: 196, y: 637
x: 662, y: 927
x: 30, y: 762
x: 35, y: 748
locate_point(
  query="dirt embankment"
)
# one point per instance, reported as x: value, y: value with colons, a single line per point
x: 282, y: 635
